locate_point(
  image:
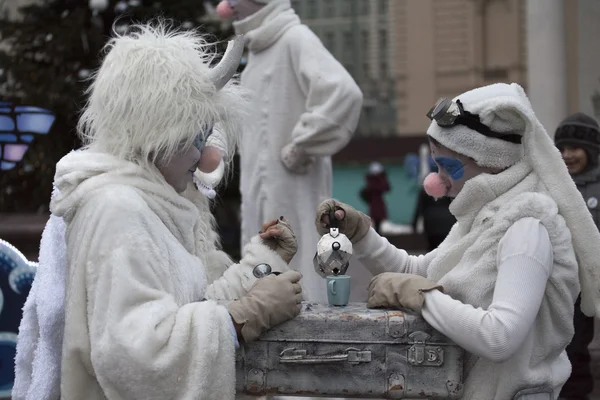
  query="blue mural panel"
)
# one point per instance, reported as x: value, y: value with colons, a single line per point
x: 19, y: 125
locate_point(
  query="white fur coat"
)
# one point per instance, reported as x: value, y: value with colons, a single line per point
x: 140, y: 257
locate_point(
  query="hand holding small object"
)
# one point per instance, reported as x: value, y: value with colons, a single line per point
x: 271, y: 301
x: 279, y: 237
x: 352, y: 223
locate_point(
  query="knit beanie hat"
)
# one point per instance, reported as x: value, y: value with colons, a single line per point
x: 580, y: 130
x: 506, y: 110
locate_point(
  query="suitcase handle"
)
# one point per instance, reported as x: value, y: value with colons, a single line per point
x: 351, y: 356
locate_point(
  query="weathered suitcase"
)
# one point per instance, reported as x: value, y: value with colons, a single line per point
x: 352, y: 352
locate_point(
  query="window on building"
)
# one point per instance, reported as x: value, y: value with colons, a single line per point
x: 345, y: 7
x: 383, y: 42
x: 366, y: 70
x: 383, y: 69
x: 365, y: 41
x: 365, y: 7
x: 312, y: 10
x: 330, y: 41
x: 383, y: 7
x: 348, y: 42
x: 329, y: 9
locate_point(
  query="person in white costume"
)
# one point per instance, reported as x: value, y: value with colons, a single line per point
x: 306, y: 108
x: 504, y: 282
x: 143, y: 263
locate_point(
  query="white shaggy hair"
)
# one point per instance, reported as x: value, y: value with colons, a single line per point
x: 153, y: 94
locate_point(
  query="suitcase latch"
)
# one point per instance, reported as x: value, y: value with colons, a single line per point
x: 300, y: 356
x: 423, y: 355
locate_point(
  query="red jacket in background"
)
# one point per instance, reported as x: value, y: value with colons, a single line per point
x: 372, y: 194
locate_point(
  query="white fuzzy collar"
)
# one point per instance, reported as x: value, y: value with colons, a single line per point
x: 264, y: 27
x: 482, y: 190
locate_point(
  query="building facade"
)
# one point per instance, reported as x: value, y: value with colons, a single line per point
x: 406, y: 54
x: 359, y: 33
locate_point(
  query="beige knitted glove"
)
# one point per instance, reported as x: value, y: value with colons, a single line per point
x: 296, y: 160
x: 279, y: 237
x: 402, y: 291
x: 271, y: 301
x: 353, y: 223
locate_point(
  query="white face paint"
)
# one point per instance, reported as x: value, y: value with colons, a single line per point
x: 179, y: 170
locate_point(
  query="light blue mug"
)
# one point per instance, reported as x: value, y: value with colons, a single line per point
x: 338, y: 290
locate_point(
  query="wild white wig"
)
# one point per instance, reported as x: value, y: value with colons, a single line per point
x: 156, y: 91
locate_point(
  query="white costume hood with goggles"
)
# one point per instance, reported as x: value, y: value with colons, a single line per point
x: 497, y: 128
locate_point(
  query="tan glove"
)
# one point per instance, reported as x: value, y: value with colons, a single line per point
x: 296, y: 160
x: 353, y: 223
x: 271, y: 301
x: 396, y: 290
x: 279, y: 237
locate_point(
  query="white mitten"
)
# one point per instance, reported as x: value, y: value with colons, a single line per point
x: 239, y: 278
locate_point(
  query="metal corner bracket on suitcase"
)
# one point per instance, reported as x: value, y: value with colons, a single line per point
x: 352, y: 352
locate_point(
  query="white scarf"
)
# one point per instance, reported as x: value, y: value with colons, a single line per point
x: 264, y: 27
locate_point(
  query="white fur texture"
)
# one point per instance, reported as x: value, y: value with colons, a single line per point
x: 157, y: 251
x: 466, y: 264
x: 39, y: 345
x: 153, y: 94
x: 238, y: 279
x: 506, y: 108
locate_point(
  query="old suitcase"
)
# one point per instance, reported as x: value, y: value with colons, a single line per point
x: 352, y: 352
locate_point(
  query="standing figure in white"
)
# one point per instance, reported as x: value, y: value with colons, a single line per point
x: 307, y: 107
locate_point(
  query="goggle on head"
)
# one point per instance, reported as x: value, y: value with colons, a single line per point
x: 447, y: 113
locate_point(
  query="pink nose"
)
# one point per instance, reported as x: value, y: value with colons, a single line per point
x: 224, y: 10
x: 435, y: 186
x: 210, y: 159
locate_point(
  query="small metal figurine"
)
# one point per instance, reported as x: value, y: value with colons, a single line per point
x: 334, y: 251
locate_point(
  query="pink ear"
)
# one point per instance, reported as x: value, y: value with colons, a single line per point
x: 435, y: 186
x: 224, y: 10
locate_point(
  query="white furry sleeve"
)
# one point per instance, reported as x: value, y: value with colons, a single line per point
x: 238, y: 279
x: 525, y: 261
x: 333, y: 100
x: 379, y: 256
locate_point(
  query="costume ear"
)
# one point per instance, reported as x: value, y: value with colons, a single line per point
x: 506, y: 117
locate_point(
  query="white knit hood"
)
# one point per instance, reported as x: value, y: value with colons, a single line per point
x: 506, y: 108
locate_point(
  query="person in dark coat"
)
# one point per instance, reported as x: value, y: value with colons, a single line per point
x: 578, y: 139
x: 437, y: 219
x: 377, y: 185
